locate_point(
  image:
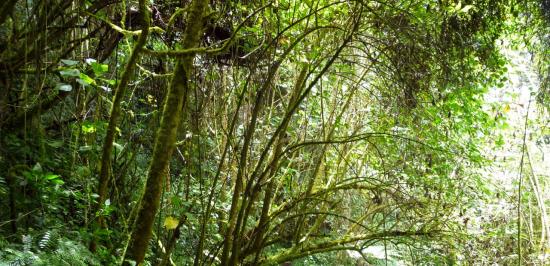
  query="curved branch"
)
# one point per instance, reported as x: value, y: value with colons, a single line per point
x: 206, y: 50
x: 355, y: 138
x: 300, y: 251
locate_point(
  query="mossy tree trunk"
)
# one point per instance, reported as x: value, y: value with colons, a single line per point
x: 105, y: 172
x: 166, y: 136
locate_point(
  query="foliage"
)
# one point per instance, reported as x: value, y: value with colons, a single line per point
x: 258, y: 133
x: 49, y: 248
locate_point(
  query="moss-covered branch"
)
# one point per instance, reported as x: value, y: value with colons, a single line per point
x: 145, y: 30
x: 104, y: 175
x: 166, y: 138
x: 302, y: 250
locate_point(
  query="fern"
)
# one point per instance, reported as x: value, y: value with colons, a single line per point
x: 49, y: 240
x: 17, y: 258
x: 68, y: 253
x: 50, y: 249
x: 27, y: 242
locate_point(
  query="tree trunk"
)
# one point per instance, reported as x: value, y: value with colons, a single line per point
x: 105, y: 172
x: 166, y: 136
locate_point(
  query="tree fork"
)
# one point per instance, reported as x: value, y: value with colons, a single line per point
x: 264, y: 217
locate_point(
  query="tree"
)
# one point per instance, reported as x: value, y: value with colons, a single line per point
x: 166, y: 136
x: 255, y: 133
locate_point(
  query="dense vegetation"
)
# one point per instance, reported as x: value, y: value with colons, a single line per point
x: 311, y: 132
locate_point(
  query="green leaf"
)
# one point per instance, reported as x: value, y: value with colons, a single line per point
x: 55, y: 143
x: 111, y: 82
x: 88, y: 128
x: 99, y: 69
x: 51, y: 176
x: 69, y: 62
x: 85, y: 148
x: 70, y: 72
x: 58, y: 181
x: 63, y: 87
x: 85, y: 80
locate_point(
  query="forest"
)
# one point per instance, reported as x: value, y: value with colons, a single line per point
x: 274, y: 132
